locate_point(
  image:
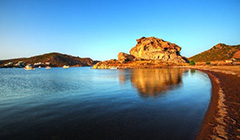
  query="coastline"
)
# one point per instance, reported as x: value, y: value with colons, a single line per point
x: 222, y: 119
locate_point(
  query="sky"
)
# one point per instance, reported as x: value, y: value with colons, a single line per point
x: 100, y: 29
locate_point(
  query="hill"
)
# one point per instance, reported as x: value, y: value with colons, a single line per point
x: 51, y: 59
x: 217, y: 53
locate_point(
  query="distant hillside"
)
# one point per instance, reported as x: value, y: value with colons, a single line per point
x: 218, y: 52
x: 51, y: 59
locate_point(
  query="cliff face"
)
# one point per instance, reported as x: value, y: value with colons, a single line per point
x: 152, y: 48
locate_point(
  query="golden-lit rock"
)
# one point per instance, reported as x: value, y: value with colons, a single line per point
x: 152, y: 48
x: 148, y: 53
x: 123, y: 57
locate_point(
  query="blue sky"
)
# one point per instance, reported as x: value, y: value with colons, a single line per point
x: 101, y: 28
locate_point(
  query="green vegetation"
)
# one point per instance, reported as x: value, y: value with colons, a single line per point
x: 208, y: 63
x: 216, y: 53
x: 192, y: 62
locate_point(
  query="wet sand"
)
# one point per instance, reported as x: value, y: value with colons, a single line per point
x: 222, y: 119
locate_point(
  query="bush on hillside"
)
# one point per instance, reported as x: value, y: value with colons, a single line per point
x: 192, y: 62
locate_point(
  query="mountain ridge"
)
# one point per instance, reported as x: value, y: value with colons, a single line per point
x: 53, y: 59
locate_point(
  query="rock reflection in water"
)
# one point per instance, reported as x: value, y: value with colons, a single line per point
x: 154, y: 82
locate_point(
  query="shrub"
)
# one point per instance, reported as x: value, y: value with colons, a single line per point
x: 208, y: 63
x: 192, y: 62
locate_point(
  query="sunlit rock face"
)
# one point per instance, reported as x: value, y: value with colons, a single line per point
x: 123, y: 57
x: 237, y: 55
x: 149, y: 52
x: 152, y: 48
x: 154, y: 82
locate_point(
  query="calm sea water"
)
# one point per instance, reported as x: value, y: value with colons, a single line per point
x: 82, y: 103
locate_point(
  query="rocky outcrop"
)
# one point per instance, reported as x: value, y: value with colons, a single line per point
x: 219, y: 46
x: 124, y: 57
x: 149, y: 52
x: 237, y: 55
x: 113, y: 64
x: 152, y: 48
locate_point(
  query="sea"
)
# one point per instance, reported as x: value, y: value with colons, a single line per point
x: 112, y: 104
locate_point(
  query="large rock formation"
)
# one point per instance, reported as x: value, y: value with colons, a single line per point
x: 149, y: 52
x: 152, y: 48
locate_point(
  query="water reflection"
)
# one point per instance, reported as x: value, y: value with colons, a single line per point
x: 153, y: 82
x: 192, y: 71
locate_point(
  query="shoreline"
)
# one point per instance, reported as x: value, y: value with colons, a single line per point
x: 222, y: 119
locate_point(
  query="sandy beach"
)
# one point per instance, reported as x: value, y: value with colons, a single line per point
x: 222, y: 117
